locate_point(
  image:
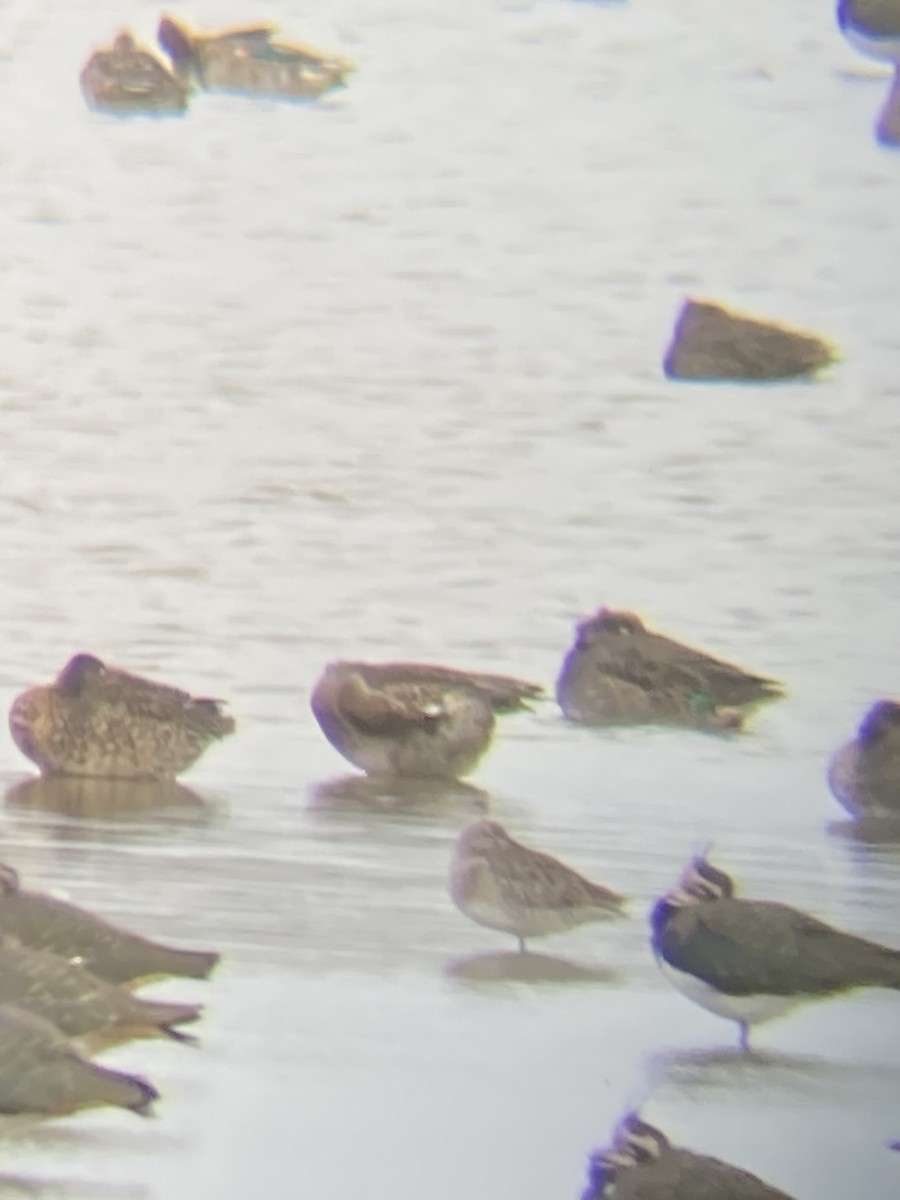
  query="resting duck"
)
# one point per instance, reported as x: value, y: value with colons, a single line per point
x: 413, y: 719
x: 99, y: 720
x: 124, y: 79
x: 619, y: 672
x: 864, y: 774
x: 251, y: 60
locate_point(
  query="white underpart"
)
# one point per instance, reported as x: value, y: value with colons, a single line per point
x: 869, y: 43
x: 748, y: 1010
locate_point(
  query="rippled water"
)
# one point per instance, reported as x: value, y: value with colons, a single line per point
x: 381, y: 377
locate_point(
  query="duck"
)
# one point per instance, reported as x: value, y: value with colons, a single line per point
x: 618, y: 672
x: 251, y: 60
x: 79, y: 1003
x: 864, y: 774
x: 502, y: 884
x: 642, y: 1164
x: 751, y: 961
x: 101, y: 721
x: 126, y: 79
x: 413, y: 719
x: 42, y: 1072
x: 43, y: 922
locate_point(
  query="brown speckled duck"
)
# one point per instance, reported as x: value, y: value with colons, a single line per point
x: 620, y: 673
x: 79, y: 1003
x: 642, y: 1164
x: 42, y: 1072
x: 496, y: 881
x: 250, y: 60
x: 125, y: 79
x: 100, y: 720
x: 413, y: 719
x: 864, y: 775
x: 44, y: 922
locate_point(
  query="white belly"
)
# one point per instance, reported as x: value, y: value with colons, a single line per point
x: 876, y: 47
x: 748, y: 1010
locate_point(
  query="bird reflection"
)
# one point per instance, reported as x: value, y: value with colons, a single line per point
x: 86, y: 798
x: 726, y: 1069
x: 390, y: 794
x: 67, y: 1189
x: 868, y: 831
x: 513, y: 966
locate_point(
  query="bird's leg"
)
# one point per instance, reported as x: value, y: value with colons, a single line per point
x: 521, y: 945
x: 745, y: 1037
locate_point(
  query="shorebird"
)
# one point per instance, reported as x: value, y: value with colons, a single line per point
x: 864, y: 775
x: 42, y: 1072
x: 753, y: 960
x: 496, y: 881
x: 619, y: 672
x: 43, y: 922
x: 251, y: 60
x: 125, y: 79
x: 413, y: 719
x: 642, y: 1164
x: 100, y: 720
x: 78, y: 1002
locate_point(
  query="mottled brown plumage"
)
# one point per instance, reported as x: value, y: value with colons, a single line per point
x: 642, y: 1164
x: 125, y: 79
x: 413, y: 719
x: 498, y: 882
x: 43, y: 922
x: 100, y: 720
x: 251, y: 60
x: 620, y: 672
x: 42, y: 1072
x: 78, y: 1002
x: 864, y: 775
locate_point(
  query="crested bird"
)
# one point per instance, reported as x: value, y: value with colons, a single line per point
x: 413, y: 719
x: 642, y: 1164
x: 99, y: 720
x: 753, y: 960
x: 618, y: 672
x: 498, y: 882
x: 43, y: 922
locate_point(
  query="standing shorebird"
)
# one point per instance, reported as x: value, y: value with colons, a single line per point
x: 619, y: 672
x: 99, y: 720
x: 43, y: 922
x: 413, y: 719
x: 125, y: 80
x: 642, y: 1164
x: 864, y: 775
x: 753, y: 960
x: 42, y: 1072
x: 496, y: 881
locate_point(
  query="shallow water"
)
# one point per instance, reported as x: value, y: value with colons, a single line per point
x: 380, y: 377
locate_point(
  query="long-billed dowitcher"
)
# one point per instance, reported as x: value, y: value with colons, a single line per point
x: 498, y: 882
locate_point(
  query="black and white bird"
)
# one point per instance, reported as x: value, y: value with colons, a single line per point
x: 753, y: 960
x: 642, y: 1164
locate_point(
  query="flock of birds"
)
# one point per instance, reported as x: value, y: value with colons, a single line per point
x: 67, y: 977
x: 65, y: 973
